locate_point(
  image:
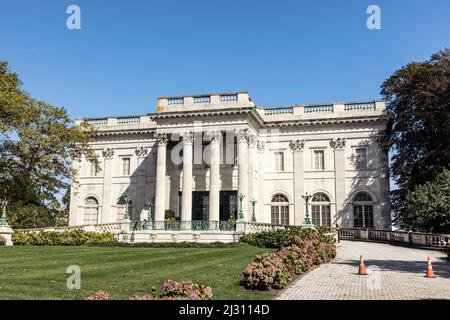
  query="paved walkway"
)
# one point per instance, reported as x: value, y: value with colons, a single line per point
x: 394, y: 272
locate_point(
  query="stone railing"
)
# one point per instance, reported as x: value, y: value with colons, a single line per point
x: 278, y: 110
x: 98, y: 121
x: 320, y: 108
x: 359, y: 106
x: 102, y: 227
x: 126, y: 120
x: 260, y: 226
x: 412, y: 238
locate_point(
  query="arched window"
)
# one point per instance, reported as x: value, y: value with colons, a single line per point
x: 363, y: 210
x: 120, y: 209
x: 280, y: 209
x: 90, y: 211
x: 320, y: 210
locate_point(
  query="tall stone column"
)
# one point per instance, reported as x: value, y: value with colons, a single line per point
x: 242, y: 153
x: 106, y: 214
x: 186, y: 195
x: 251, y: 175
x: 299, y: 179
x: 160, y: 196
x: 214, y: 180
x: 342, y: 217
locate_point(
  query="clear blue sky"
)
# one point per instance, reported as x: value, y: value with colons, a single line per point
x: 284, y: 52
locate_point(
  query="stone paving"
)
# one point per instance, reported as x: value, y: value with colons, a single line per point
x: 394, y: 272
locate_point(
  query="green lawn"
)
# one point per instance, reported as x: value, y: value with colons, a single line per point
x: 39, y: 272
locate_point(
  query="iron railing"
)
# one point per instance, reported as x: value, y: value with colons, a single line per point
x: 183, y: 225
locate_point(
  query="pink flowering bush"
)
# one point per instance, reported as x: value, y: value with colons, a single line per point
x: 186, y: 290
x: 99, y: 295
x: 298, y: 254
x: 172, y: 290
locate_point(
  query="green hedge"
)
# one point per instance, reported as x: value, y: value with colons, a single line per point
x: 278, y: 238
x: 171, y: 245
x: 66, y: 238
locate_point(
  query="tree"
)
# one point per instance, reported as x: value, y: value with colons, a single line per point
x: 418, y: 131
x: 427, y: 208
x: 37, y: 144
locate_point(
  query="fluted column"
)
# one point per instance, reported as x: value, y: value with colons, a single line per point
x: 160, y: 196
x: 214, y: 180
x: 242, y: 153
x: 297, y: 147
x: 251, y: 174
x: 186, y: 195
x: 342, y: 216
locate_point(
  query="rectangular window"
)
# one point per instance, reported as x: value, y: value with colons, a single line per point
x: 361, y: 158
x: 284, y: 217
x: 279, y: 161
x: 315, y: 214
x: 275, y: 214
x: 368, y: 216
x: 125, y: 166
x: 358, y: 216
x: 326, y: 216
x: 319, y: 156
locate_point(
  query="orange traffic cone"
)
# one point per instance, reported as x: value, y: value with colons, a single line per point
x: 362, y: 267
x: 430, y: 273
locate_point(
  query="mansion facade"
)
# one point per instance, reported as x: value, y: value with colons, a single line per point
x: 214, y: 158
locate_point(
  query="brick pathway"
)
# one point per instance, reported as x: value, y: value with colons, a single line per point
x: 394, y: 272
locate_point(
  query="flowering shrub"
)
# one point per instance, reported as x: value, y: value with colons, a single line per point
x: 66, y: 238
x: 99, y: 295
x: 172, y: 290
x: 186, y: 290
x: 2, y: 240
x: 298, y: 254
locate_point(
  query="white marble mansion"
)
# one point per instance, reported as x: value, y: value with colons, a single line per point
x: 192, y: 161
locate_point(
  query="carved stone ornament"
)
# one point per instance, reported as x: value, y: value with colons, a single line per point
x: 214, y: 136
x: 241, y: 135
x: 141, y: 151
x: 338, y: 143
x: 108, y: 152
x: 161, y: 138
x: 297, y: 145
x: 252, y: 139
x: 188, y: 137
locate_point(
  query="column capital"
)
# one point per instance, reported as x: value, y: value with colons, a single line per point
x: 108, y: 152
x: 188, y: 137
x: 338, y: 143
x: 297, y: 145
x: 161, y: 138
x: 241, y: 135
x: 252, y: 140
x: 214, y: 135
x: 141, y: 151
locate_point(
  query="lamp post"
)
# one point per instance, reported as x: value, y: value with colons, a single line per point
x: 4, y: 203
x: 241, y: 214
x: 307, y: 221
x: 127, y: 200
x: 253, y: 202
